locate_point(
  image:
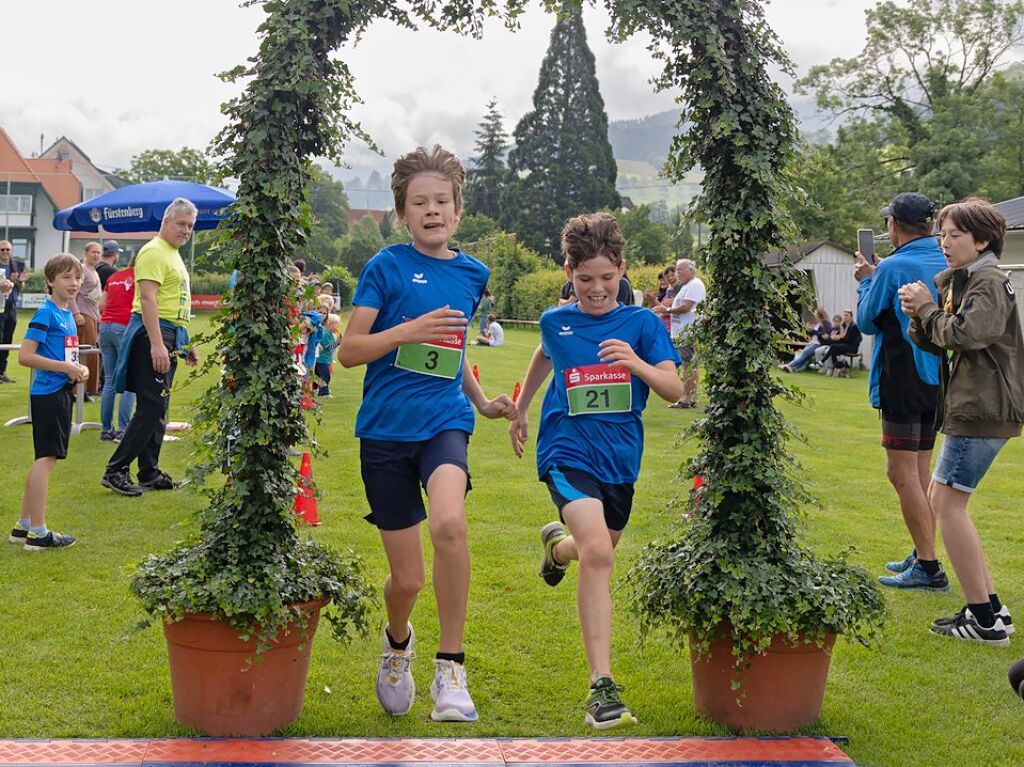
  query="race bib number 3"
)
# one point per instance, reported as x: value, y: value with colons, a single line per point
x: 71, y: 349
x: 441, y: 358
x: 598, y: 389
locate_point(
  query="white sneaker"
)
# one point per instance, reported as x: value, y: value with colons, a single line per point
x: 450, y: 693
x: 396, y: 689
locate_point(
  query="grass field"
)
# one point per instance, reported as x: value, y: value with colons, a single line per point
x: 72, y: 666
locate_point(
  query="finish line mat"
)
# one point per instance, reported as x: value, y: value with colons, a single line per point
x: 469, y: 752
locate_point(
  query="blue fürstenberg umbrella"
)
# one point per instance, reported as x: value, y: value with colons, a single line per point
x: 140, y: 207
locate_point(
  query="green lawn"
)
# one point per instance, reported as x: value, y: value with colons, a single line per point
x: 72, y: 666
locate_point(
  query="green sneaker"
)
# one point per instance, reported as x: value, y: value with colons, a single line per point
x: 605, y: 709
x: 550, y: 570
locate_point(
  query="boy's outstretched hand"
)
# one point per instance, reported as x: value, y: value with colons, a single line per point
x: 518, y: 433
x: 619, y: 353
x: 434, y: 325
x: 501, y: 406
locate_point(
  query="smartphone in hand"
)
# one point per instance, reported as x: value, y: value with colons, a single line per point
x: 866, y: 244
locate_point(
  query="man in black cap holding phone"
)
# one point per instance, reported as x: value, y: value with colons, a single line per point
x: 904, y: 382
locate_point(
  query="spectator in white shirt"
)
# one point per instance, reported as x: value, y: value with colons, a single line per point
x: 494, y: 335
x: 683, y: 312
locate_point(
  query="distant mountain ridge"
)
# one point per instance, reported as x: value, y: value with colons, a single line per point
x: 640, y: 146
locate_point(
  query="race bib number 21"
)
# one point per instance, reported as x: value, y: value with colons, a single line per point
x: 598, y: 389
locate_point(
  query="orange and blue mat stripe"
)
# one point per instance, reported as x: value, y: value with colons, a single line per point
x: 458, y: 752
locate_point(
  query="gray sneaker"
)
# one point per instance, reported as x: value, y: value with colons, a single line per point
x: 550, y: 570
x: 450, y: 693
x: 903, y: 564
x: 396, y: 689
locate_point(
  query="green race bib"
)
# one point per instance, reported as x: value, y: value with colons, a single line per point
x: 598, y: 389
x: 441, y: 358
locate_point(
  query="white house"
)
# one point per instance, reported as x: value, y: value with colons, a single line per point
x: 829, y: 268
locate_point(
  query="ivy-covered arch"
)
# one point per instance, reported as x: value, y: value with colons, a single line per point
x: 735, y: 124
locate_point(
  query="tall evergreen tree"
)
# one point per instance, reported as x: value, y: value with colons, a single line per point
x: 487, y: 171
x: 562, y: 163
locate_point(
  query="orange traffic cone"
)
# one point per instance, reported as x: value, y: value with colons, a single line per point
x: 305, y: 496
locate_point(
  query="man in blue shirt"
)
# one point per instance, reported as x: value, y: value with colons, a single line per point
x: 904, y: 379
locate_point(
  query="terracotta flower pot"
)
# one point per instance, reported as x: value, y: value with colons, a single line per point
x: 219, y: 692
x: 784, y: 688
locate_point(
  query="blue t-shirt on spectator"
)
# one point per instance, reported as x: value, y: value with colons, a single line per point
x: 49, y: 327
x: 402, y: 284
x: 606, y: 445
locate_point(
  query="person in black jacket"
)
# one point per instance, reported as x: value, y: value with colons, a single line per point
x: 848, y: 344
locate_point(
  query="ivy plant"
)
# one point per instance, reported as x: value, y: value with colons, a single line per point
x: 737, y: 564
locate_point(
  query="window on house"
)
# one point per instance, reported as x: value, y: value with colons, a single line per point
x: 15, y: 203
x: 89, y: 193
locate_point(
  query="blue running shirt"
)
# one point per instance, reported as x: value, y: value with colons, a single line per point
x: 605, y: 436
x: 400, y: 404
x: 49, y: 327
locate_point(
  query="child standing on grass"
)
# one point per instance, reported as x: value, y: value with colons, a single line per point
x: 328, y: 345
x: 412, y: 306
x: 51, y: 348
x: 606, y: 357
x: 976, y: 331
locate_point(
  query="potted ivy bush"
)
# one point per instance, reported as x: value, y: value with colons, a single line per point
x: 240, y: 600
x: 759, y: 610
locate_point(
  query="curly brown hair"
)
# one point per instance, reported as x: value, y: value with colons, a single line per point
x: 592, y: 235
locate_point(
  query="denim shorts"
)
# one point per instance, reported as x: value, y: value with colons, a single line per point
x: 963, y: 461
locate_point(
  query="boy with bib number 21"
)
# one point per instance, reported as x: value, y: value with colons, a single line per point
x: 412, y: 306
x: 606, y: 357
x: 51, y: 348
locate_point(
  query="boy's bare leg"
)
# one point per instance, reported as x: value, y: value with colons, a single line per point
x: 962, y: 543
x: 404, y: 549
x: 446, y: 492
x: 33, y: 503
x: 593, y: 544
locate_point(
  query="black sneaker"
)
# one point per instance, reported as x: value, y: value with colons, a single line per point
x: 48, y: 542
x: 964, y: 626
x: 1003, y: 619
x: 18, y: 535
x: 107, y: 436
x: 162, y: 481
x: 605, y: 709
x: 550, y: 570
x: 121, y: 482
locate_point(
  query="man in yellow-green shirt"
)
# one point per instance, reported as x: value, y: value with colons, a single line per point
x: 154, y: 337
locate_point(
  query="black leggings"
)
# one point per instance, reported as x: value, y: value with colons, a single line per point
x: 837, y: 350
x: 144, y: 436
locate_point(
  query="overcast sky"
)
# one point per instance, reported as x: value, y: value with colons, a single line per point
x: 121, y: 76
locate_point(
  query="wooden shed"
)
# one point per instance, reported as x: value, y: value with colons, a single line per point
x: 829, y: 268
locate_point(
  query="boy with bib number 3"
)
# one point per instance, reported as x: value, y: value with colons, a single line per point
x: 606, y: 357
x: 51, y: 348
x: 412, y: 306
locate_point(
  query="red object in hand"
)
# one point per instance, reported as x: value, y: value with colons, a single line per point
x: 516, y: 391
x: 476, y: 374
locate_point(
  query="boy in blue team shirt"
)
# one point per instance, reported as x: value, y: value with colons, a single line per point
x: 51, y: 347
x: 412, y: 305
x: 606, y: 357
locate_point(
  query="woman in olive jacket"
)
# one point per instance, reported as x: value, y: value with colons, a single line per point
x: 977, y: 333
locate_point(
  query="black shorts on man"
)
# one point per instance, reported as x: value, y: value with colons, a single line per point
x: 51, y: 422
x: 393, y: 473
x: 912, y: 433
x: 567, y: 484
